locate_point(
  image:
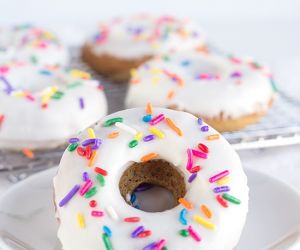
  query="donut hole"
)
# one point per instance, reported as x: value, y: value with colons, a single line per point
x: 152, y: 186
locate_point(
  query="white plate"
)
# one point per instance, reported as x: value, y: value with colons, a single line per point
x: 27, y: 214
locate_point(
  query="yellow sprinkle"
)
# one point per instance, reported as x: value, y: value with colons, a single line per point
x: 92, y: 159
x: 133, y: 73
x: 91, y: 133
x: 80, y: 220
x: 155, y: 80
x: 155, y: 71
x: 157, y: 132
x: 223, y: 181
x: 204, y: 222
x: 155, y: 45
x: 18, y: 93
x: 213, y: 137
x: 80, y: 74
x: 138, y: 136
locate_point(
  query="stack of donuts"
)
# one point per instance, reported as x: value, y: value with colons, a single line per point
x: 181, y: 95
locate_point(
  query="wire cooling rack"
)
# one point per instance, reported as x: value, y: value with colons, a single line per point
x: 281, y: 126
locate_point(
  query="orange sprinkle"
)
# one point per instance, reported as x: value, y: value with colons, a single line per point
x: 149, y: 109
x: 148, y: 157
x: 92, y: 159
x: 28, y: 153
x: 171, y: 94
x: 113, y: 135
x: 185, y: 203
x: 213, y: 137
x: 172, y: 125
x: 135, y: 81
x: 206, y: 211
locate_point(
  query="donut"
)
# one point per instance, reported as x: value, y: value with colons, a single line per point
x: 228, y: 92
x: 33, y: 44
x: 124, y: 43
x: 94, y: 189
x: 42, y: 106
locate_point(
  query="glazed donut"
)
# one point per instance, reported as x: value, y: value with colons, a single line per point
x: 227, y: 92
x: 124, y: 43
x: 93, y: 188
x: 42, y: 106
x: 33, y: 44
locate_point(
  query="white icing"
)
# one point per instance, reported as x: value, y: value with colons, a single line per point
x: 115, y: 156
x: 27, y: 42
x: 121, y: 41
x: 27, y: 124
x: 232, y: 96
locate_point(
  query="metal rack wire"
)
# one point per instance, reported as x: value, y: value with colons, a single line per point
x: 281, y: 126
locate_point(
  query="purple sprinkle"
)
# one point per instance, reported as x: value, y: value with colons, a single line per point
x: 88, y: 142
x: 9, y: 88
x: 150, y: 246
x: 221, y: 189
x: 81, y: 103
x: 137, y: 231
x: 149, y: 138
x: 192, y: 177
x: 69, y: 196
x: 97, y: 144
x: 143, y: 187
x: 85, y: 176
x: 73, y: 140
x: 199, y: 121
x: 236, y: 74
x: 204, y: 128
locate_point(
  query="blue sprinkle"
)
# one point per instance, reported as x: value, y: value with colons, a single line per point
x: 185, y: 63
x: 133, y: 198
x: 182, y: 216
x: 192, y: 177
x: 200, y: 121
x: 107, y: 231
x: 45, y: 72
x: 147, y: 118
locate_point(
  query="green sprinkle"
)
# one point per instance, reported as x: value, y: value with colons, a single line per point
x: 72, y: 147
x: 112, y: 121
x: 166, y: 58
x: 107, y: 242
x: 184, y: 233
x: 164, y: 248
x: 274, y: 86
x: 101, y: 180
x: 91, y: 192
x: 34, y: 59
x: 74, y: 85
x: 133, y: 143
x: 58, y: 95
x: 231, y: 199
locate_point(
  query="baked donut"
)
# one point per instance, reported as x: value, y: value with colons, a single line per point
x: 158, y: 146
x: 124, y: 43
x: 42, y: 106
x: 33, y: 44
x: 227, y: 92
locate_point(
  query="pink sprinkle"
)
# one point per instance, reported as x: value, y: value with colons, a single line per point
x: 157, y: 119
x: 96, y: 213
x: 199, y: 154
x: 160, y: 244
x: 30, y: 97
x: 218, y: 176
x: 189, y: 163
x: 4, y: 69
x: 88, y: 184
x: 194, y: 234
